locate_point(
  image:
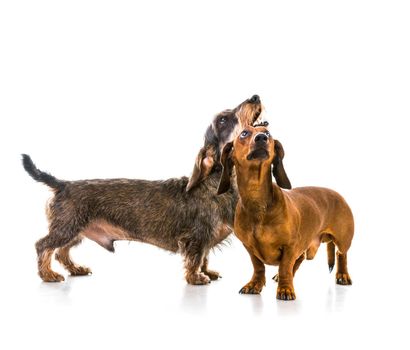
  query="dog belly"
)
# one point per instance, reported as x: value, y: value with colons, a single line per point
x: 103, y: 233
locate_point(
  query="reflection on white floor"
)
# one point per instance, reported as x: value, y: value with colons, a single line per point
x: 137, y: 298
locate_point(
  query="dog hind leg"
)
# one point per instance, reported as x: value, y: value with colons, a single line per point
x: 342, y: 275
x: 44, y: 267
x: 61, y: 233
x: 64, y: 258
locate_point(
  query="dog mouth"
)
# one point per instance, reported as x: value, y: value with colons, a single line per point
x: 259, y: 116
x: 260, y: 153
x: 249, y: 114
x: 257, y: 113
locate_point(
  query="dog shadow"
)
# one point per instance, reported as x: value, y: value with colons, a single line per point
x: 194, y: 299
x: 55, y: 293
x: 289, y: 308
x: 253, y: 303
x: 60, y: 293
x: 257, y: 305
x: 334, y: 301
x: 336, y: 298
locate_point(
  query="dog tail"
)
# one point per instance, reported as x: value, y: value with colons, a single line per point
x: 331, y: 255
x: 41, y: 176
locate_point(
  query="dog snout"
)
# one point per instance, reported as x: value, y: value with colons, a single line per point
x: 261, y: 138
x: 255, y: 99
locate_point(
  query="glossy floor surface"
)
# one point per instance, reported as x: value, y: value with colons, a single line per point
x: 137, y: 298
x: 126, y: 89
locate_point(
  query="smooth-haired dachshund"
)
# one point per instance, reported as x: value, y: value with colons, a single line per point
x: 280, y: 227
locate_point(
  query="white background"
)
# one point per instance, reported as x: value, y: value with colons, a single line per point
x: 99, y: 89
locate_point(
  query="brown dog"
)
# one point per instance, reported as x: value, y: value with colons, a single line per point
x: 179, y: 215
x: 282, y: 227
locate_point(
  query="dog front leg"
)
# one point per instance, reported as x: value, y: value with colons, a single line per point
x: 285, y: 289
x: 213, y: 275
x: 258, y: 280
x: 193, y: 263
x: 295, y: 267
x: 194, y: 253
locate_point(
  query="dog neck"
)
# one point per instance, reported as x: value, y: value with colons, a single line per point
x: 256, y: 191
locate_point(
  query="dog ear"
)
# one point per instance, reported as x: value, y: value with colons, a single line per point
x: 278, y: 170
x: 203, y: 166
x: 227, y: 163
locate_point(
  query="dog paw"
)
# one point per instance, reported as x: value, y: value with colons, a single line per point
x: 51, y: 276
x: 198, y: 279
x: 343, y: 279
x: 80, y: 271
x: 285, y: 293
x: 253, y: 287
x: 213, y: 275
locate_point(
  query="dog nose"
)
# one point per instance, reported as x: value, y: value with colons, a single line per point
x: 255, y: 99
x: 261, y: 137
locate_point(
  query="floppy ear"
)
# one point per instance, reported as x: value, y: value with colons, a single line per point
x: 227, y: 163
x: 278, y: 170
x: 203, y: 166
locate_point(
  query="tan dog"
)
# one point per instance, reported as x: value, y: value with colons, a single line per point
x: 282, y: 227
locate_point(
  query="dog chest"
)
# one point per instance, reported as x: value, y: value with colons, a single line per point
x: 265, y: 245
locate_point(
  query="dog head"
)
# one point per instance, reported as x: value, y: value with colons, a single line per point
x: 227, y: 124
x: 253, y: 147
x: 223, y: 129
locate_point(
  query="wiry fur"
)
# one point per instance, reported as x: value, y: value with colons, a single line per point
x: 41, y: 176
x: 180, y: 215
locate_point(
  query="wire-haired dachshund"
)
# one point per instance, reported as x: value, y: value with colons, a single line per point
x: 180, y: 215
x: 280, y: 227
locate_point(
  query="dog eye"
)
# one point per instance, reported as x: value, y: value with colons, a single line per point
x: 244, y: 134
x: 222, y: 120
x: 267, y: 133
